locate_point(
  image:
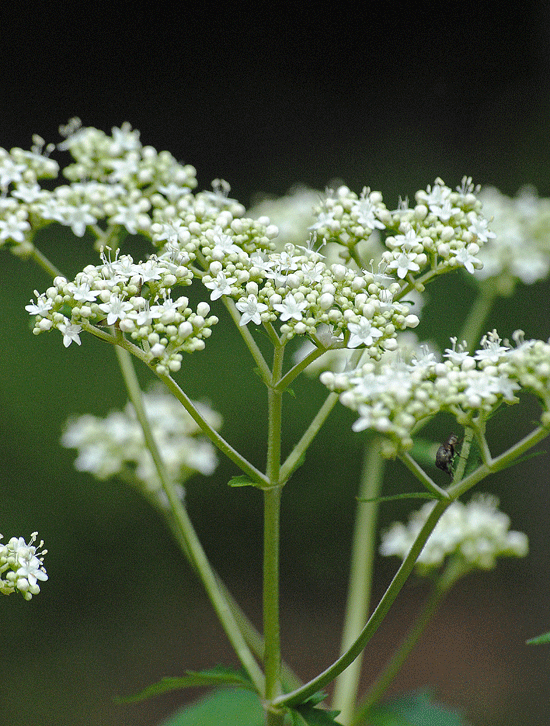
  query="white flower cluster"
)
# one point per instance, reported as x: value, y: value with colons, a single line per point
x: 114, y: 445
x: 521, y: 247
x: 300, y: 290
x: 476, y: 533
x: 21, y: 566
x: 119, y: 186
x: 137, y: 298
x: 115, y: 180
x: 443, y: 231
x: 393, y: 397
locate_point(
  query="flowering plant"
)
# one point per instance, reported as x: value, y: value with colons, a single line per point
x: 347, y: 278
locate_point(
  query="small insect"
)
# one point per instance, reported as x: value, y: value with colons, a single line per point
x: 445, y: 455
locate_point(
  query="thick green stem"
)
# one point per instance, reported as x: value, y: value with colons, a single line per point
x: 327, y: 676
x: 272, y: 507
x: 360, y: 582
x: 183, y: 524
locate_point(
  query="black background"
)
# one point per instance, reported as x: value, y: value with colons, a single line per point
x: 391, y: 96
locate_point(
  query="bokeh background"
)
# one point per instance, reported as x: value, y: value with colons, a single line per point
x: 390, y: 96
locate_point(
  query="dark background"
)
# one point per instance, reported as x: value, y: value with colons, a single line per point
x: 391, y: 97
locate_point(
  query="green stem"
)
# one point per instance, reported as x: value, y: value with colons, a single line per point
x: 272, y: 508
x: 183, y: 524
x: 295, y: 371
x: 218, y: 441
x: 501, y: 462
x: 395, y: 663
x: 360, y: 582
x: 421, y: 475
x: 323, y: 679
x: 295, y: 457
x: 249, y: 341
x: 253, y: 638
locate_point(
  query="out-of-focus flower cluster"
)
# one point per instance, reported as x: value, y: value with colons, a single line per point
x: 119, y: 187
x: 476, y: 533
x: 115, y: 446
x: 393, y: 397
x: 520, y: 249
x: 22, y: 566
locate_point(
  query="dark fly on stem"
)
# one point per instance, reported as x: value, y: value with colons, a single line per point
x: 445, y: 455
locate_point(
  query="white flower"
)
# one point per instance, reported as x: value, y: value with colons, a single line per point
x: 42, y: 307
x: 290, y: 308
x: 363, y: 333
x: 115, y: 445
x: 10, y: 171
x: 404, y: 263
x: 479, y: 228
x: 70, y: 333
x: 491, y: 349
x: 116, y: 309
x: 365, y: 210
x: 221, y: 285
x: 223, y: 244
x: 76, y: 217
x: 131, y: 217
x: 466, y: 260
x: 251, y: 310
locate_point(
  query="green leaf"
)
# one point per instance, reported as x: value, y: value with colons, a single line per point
x: 313, y: 716
x: 415, y: 709
x: 217, y: 676
x: 241, y: 481
x: 406, y: 495
x: 228, y: 707
x: 539, y: 640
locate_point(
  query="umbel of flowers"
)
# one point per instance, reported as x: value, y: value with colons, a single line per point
x: 119, y: 187
x: 393, y: 396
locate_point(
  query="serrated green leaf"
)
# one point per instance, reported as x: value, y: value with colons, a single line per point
x: 228, y: 707
x: 539, y: 640
x: 415, y: 709
x: 241, y: 481
x: 217, y: 676
x: 406, y: 495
